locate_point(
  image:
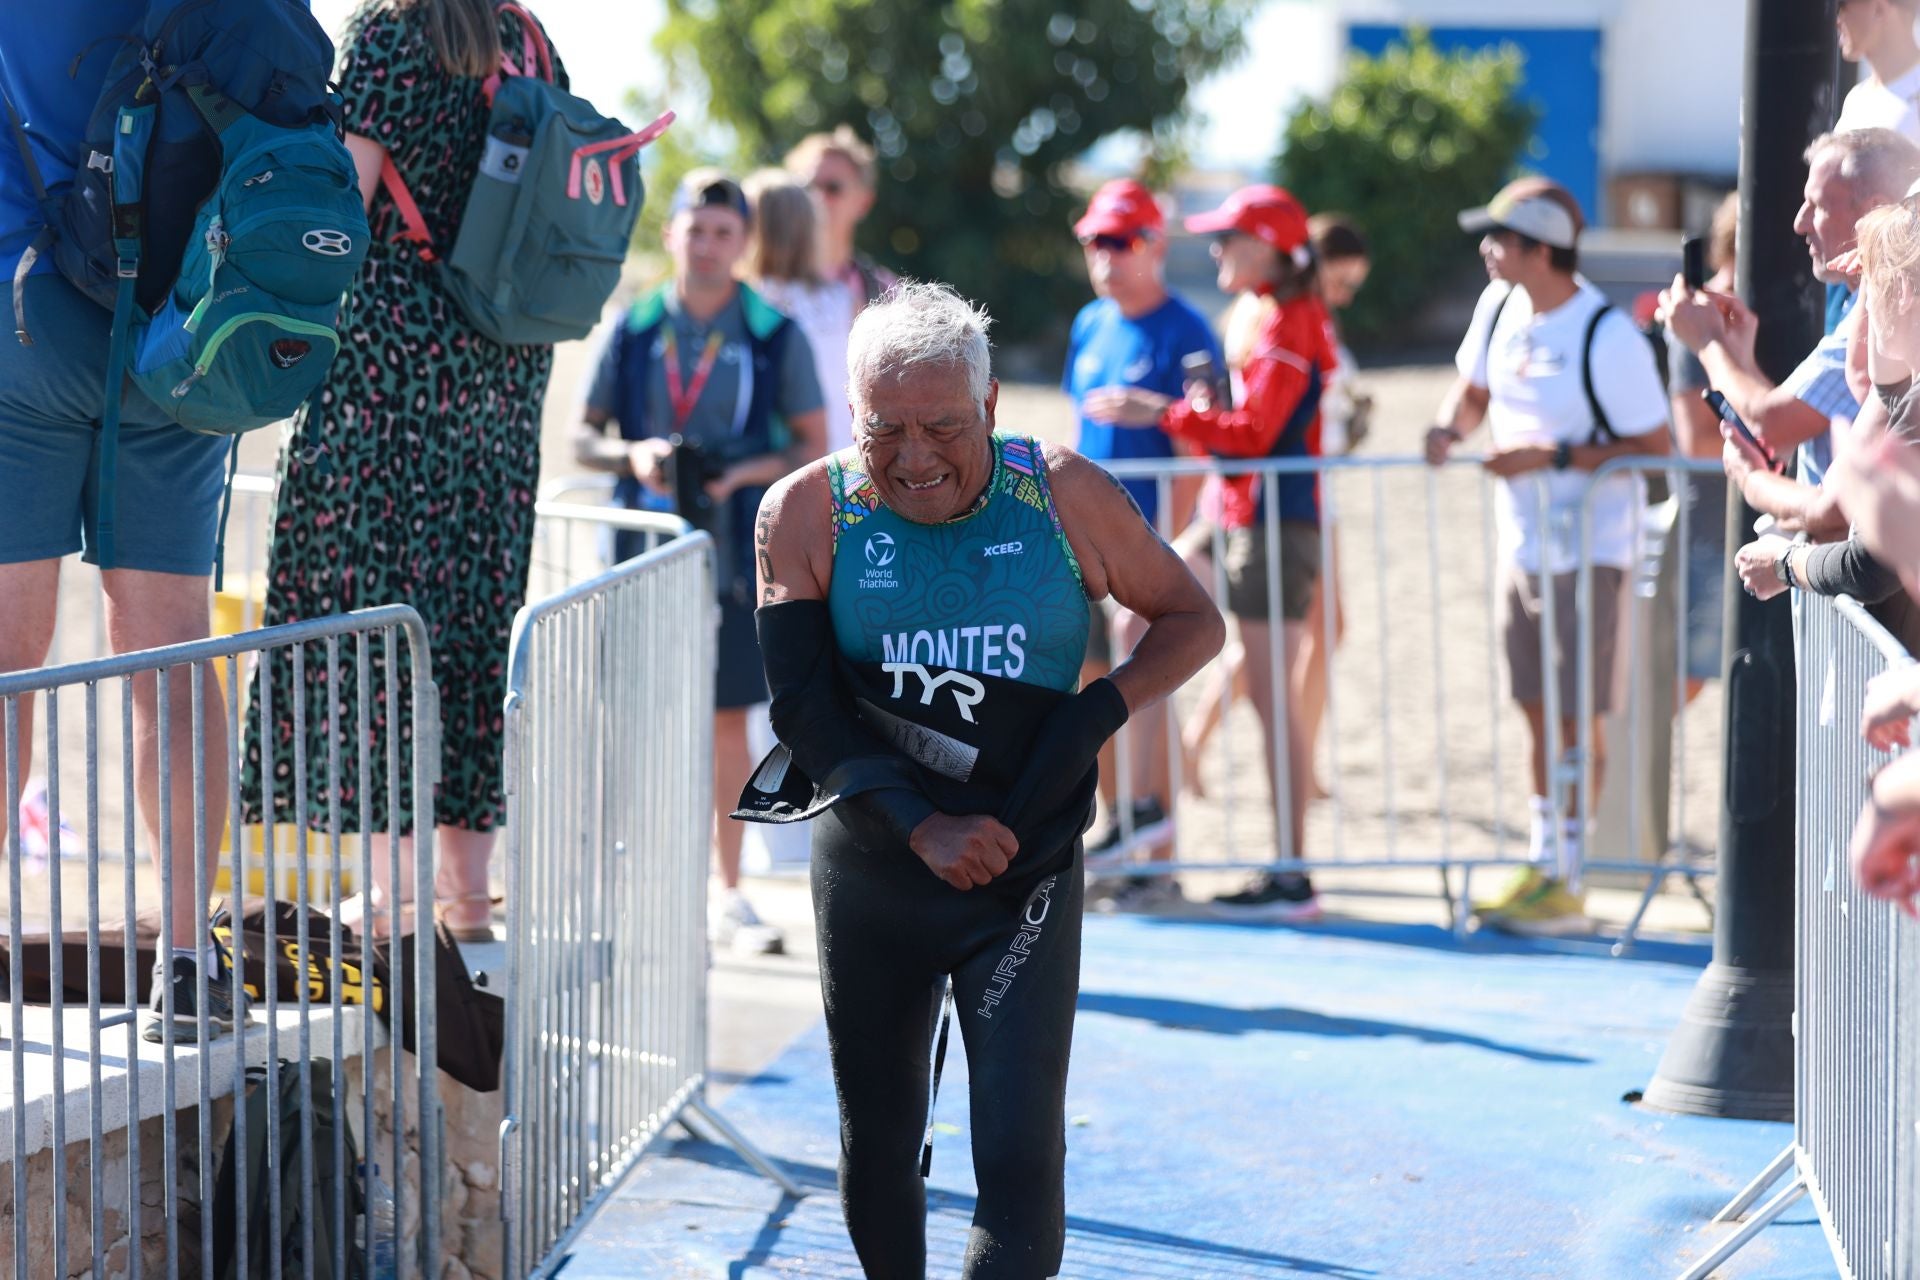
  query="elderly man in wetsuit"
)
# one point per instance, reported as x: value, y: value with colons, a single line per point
x: 924, y: 603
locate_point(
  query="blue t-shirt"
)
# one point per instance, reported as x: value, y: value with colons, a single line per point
x: 1109, y: 350
x: 38, y: 44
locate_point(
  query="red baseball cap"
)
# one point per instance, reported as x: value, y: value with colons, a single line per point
x: 1266, y: 213
x: 1122, y: 207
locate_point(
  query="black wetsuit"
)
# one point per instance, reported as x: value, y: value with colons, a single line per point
x: 952, y: 658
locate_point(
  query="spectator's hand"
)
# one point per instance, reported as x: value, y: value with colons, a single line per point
x: 1756, y: 563
x: 1740, y: 459
x: 1519, y: 460
x: 1885, y: 850
x: 1440, y: 442
x: 966, y: 850
x: 1691, y: 315
x: 1741, y: 327
x: 1125, y: 406
x: 1847, y: 264
x: 1886, y: 715
x: 1200, y: 395
x: 648, y: 458
x: 726, y: 485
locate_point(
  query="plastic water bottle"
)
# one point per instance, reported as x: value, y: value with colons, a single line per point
x: 506, y: 154
x: 379, y: 1219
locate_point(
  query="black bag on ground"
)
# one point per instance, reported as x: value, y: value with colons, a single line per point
x: 285, y: 1235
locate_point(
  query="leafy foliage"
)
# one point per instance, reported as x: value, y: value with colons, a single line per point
x: 974, y: 107
x: 1408, y: 140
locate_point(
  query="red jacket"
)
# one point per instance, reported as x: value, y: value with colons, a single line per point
x: 1278, y: 415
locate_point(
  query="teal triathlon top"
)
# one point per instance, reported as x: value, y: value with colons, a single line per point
x: 995, y: 592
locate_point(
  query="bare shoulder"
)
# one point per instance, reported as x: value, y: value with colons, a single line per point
x: 799, y: 501
x: 1085, y: 488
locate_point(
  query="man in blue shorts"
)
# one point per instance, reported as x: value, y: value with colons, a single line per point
x: 1123, y: 370
x: 169, y: 480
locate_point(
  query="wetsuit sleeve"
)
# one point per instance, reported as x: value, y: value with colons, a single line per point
x: 1066, y: 746
x: 1275, y: 380
x: 813, y: 721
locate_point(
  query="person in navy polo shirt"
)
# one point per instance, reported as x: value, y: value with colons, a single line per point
x: 1123, y: 371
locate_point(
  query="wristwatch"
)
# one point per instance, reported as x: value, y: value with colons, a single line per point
x: 1783, y: 568
x: 1562, y: 456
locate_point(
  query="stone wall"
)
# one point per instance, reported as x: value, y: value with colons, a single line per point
x: 471, y: 1232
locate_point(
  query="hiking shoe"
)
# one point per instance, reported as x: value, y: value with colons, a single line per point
x: 733, y: 923
x: 1287, y: 898
x: 1142, y: 894
x: 1542, y: 907
x: 179, y: 976
x: 1151, y: 826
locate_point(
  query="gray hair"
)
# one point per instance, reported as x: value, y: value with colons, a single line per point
x: 1878, y: 164
x: 917, y: 323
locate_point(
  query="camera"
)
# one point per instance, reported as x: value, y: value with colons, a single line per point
x: 690, y: 468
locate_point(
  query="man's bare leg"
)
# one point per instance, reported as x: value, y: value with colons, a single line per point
x: 31, y: 591
x: 732, y: 764
x: 146, y: 611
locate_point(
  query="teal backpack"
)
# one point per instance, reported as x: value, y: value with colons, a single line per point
x: 551, y: 210
x: 214, y: 208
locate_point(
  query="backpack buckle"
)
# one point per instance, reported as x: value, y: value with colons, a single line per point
x: 127, y: 268
x: 97, y: 160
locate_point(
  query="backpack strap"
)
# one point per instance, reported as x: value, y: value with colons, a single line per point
x: 48, y: 216
x: 132, y: 131
x: 1493, y: 324
x: 415, y: 228
x: 1603, y: 432
x: 535, y: 52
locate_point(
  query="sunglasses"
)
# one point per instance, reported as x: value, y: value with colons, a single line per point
x: 1114, y: 244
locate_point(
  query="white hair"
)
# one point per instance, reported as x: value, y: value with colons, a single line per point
x: 920, y: 323
x: 1879, y: 164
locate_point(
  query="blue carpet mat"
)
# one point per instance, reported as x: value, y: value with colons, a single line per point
x: 1351, y: 1101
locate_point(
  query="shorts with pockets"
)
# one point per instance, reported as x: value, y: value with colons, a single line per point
x: 168, y: 479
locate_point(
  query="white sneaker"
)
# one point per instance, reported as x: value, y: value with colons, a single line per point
x: 732, y: 922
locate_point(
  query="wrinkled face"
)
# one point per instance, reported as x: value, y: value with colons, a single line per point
x: 1828, y: 212
x: 925, y: 439
x: 1341, y: 279
x: 705, y: 243
x: 842, y: 197
x: 1245, y: 262
x: 1124, y: 267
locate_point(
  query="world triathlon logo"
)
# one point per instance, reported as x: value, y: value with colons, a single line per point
x: 880, y: 550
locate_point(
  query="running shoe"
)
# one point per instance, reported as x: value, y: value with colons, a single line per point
x: 1287, y: 898
x: 1151, y: 826
x: 1521, y: 883
x: 1544, y: 908
x: 1142, y: 894
x: 179, y: 976
x: 733, y: 923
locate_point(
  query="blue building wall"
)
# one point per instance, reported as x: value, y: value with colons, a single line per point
x: 1561, y: 78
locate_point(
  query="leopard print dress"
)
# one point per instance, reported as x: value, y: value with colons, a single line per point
x: 424, y: 490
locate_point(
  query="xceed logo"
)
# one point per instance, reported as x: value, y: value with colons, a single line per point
x: 1005, y: 549
x: 334, y: 244
x: 1020, y: 948
x: 880, y: 550
x: 968, y: 692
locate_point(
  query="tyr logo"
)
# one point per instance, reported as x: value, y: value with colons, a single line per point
x: 968, y: 692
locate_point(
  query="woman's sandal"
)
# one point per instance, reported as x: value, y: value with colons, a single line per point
x: 474, y: 926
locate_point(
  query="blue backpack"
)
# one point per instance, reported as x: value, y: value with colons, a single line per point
x: 215, y: 210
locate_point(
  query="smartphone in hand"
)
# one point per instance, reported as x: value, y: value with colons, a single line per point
x: 1718, y: 403
x: 1693, y: 262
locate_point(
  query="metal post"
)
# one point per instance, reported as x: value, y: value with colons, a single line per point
x: 1732, y: 1054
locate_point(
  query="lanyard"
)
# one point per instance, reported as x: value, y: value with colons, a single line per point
x: 683, y: 399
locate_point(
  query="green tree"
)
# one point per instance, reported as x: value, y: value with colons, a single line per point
x: 974, y: 107
x: 1407, y: 140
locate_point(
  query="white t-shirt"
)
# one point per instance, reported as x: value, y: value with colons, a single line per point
x: 825, y: 313
x: 1894, y: 105
x: 1532, y: 372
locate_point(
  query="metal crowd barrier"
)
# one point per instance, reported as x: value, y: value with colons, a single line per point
x: 609, y: 818
x: 1425, y: 752
x: 79, y: 1071
x: 1856, y: 1149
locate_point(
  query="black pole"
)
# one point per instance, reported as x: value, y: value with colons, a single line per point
x: 1732, y: 1054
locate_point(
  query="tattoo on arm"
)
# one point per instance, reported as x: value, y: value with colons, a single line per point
x: 763, y: 551
x: 1128, y: 495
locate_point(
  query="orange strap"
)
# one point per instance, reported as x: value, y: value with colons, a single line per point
x: 416, y: 226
